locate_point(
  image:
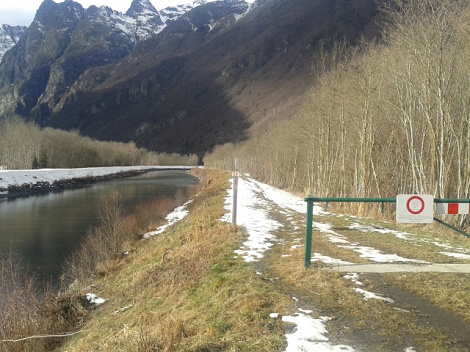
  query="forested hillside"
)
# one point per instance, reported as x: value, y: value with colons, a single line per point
x: 24, y: 145
x: 387, y: 118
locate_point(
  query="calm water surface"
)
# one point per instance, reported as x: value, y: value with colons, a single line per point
x: 45, y: 229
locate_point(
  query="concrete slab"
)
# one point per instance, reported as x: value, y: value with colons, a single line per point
x: 405, y: 268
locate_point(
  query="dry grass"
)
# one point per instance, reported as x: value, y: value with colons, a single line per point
x: 36, y: 320
x: 450, y: 292
x: 103, y: 247
x: 373, y: 325
x: 185, y: 291
x: 26, y: 311
x: 422, y: 243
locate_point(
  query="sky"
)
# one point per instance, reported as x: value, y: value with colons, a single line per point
x: 21, y: 12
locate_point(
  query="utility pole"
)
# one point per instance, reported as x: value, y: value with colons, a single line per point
x: 235, y: 191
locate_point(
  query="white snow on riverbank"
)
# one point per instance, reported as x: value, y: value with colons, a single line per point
x: 179, y: 213
x: 21, y: 177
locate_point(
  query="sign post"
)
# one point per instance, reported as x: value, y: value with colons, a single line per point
x: 235, y: 191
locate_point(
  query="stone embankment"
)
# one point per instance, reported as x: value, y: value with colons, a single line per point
x: 23, y: 183
x: 44, y: 187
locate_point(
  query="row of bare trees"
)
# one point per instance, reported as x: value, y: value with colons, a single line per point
x: 23, y: 145
x: 379, y: 120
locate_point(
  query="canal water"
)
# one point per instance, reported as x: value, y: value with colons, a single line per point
x: 45, y: 229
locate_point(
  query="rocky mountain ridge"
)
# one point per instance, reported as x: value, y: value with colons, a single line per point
x: 195, y: 79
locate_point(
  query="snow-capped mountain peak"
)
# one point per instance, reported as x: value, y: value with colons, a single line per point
x: 139, y: 7
x: 146, y: 17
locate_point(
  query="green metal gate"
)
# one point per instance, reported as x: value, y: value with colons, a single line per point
x: 311, y: 199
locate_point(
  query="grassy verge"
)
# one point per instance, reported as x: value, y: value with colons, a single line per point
x: 184, y: 290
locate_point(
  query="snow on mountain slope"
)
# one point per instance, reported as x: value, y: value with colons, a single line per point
x: 140, y: 22
x: 146, y: 19
x: 9, y: 36
x: 174, y: 12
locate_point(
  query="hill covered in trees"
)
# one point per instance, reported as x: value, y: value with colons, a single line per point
x: 24, y: 145
x: 382, y: 119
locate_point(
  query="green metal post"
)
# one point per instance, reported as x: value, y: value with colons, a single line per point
x: 308, y: 231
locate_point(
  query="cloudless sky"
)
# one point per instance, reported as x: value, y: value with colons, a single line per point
x: 21, y: 12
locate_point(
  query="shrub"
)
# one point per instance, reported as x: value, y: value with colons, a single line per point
x: 30, y: 318
x: 101, y: 245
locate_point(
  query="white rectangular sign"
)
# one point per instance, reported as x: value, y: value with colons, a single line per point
x: 415, y: 208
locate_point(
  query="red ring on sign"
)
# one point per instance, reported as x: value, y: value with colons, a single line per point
x: 415, y: 212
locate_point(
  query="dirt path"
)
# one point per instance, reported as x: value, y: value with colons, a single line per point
x: 429, y: 315
x: 375, y: 288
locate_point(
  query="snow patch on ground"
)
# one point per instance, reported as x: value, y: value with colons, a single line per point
x: 456, y: 255
x: 371, y: 295
x: 176, y: 215
x: 253, y: 213
x: 371, y: 228
x: 309, y: 334
x: 94, y: 299
x: 365, y: 252
x: 460, y: 253
x: 283, y: 199
x: 354, y: 277
x: 379, y: 257
x: 328, y: 260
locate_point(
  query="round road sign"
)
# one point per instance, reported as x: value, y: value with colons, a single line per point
x: 415, y: 205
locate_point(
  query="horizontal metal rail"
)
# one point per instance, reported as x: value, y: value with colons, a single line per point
x: 353, y: 200
x: 377, y: 200
x: 445, y: 200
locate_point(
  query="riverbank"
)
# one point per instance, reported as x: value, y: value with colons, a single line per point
x: 205, y: 285
x: 20, y: 183
x: 34, y: 316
